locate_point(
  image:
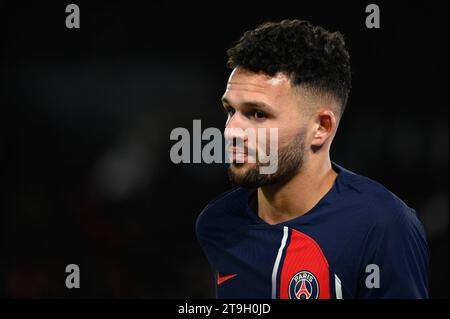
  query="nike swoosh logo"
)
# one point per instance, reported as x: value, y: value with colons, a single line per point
x: 221, y: 280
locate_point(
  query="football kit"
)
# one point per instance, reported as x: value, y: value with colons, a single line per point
x: 359, y: 241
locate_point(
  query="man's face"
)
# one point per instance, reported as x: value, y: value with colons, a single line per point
x: 255, y: 101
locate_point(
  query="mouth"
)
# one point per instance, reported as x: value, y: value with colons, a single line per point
x: 236, y: 151
x: 240, y: 156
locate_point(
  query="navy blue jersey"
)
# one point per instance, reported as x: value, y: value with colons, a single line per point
x: 358, y: 241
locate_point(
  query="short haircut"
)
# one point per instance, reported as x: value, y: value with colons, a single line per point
x: 310, y: 55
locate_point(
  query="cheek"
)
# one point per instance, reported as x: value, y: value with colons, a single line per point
x: 289, y: 126
x: 295, y: 136
x: 287, y: 135
x: 274, y: 139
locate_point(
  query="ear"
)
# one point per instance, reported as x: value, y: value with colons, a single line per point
x: 325, y: 124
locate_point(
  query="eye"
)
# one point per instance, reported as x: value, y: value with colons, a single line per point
x: 229, y: 111
x: 259, y: 115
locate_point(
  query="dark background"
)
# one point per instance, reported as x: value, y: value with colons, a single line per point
x: 86, y: 116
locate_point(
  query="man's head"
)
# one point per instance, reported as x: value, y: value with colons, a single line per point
x: 292, y: 76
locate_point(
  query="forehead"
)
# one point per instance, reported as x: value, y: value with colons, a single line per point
x: 243, y: 84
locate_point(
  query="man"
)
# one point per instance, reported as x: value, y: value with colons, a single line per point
x: 312, y: 229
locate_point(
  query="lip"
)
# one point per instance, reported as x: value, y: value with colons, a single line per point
x: 235, y: 150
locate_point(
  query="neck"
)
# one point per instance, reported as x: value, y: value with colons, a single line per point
x: 279, y: 203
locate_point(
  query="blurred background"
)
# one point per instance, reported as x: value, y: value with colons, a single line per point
x: 86, y: 116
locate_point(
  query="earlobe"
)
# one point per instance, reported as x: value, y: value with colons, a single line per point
x: 319, y: 136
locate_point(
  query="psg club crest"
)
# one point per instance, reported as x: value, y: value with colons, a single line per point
x: 304, y: 285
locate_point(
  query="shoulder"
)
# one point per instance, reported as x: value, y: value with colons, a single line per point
x: 394, y: 240
x: 382, y: 209
x: 222, y: 213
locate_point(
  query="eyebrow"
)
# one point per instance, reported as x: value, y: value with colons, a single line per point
x: 249, y: 104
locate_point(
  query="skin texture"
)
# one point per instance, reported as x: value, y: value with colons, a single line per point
x: 307, y: 122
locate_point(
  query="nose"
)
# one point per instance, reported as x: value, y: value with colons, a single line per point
x: 235, y: 128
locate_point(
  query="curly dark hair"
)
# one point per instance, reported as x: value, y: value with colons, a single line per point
x: 308, y: 54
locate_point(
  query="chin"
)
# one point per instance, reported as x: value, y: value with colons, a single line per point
x: 240, y: 172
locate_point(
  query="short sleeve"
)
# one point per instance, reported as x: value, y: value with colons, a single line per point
x: 396, y: 249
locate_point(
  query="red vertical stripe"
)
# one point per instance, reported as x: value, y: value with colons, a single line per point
x: 304, y: 254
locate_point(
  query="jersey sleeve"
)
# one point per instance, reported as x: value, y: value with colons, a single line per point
x: 395, y: 259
